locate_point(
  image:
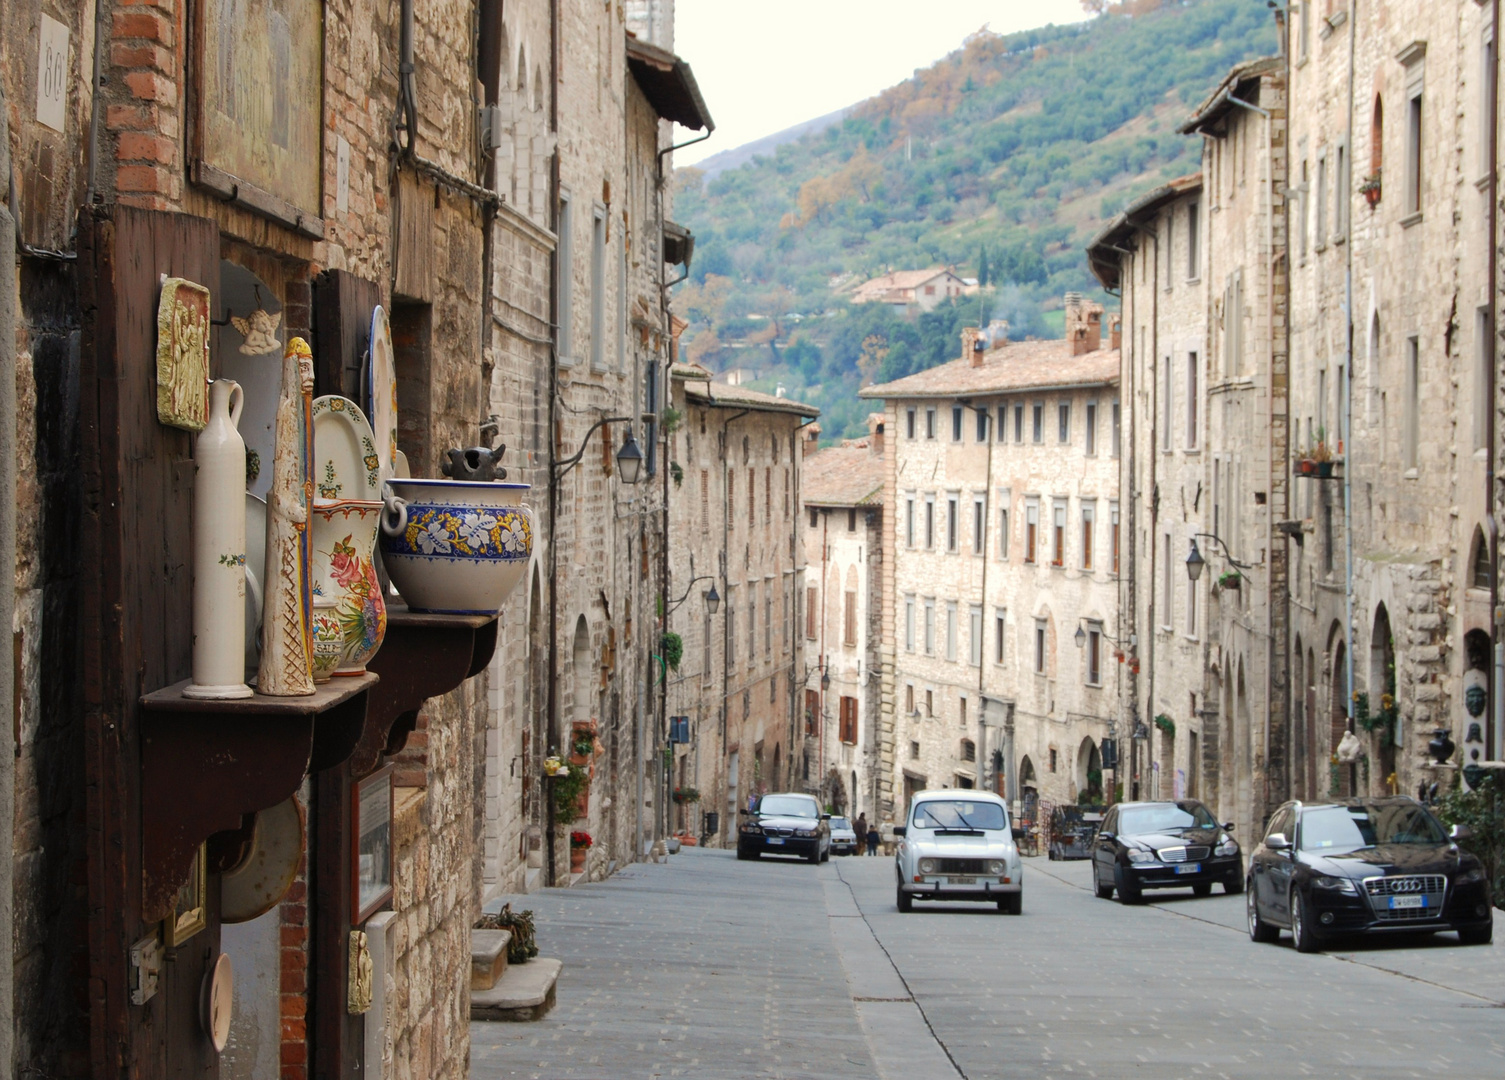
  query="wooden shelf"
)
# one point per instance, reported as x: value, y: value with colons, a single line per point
x: 422, y: 657
x: 206, y: 765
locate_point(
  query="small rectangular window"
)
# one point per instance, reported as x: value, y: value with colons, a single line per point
x: 951, y: 630
x: 565, y: 288
x: 982, y: 425
x: 1320, y: 231
x: 1193, y: 241
x: 1000, y: 621
x: 909, y: 624
x: 1168, y: 586
x: 974, y: 635
x: 1091, y: 424
x: 1168, y: 407
x: 1031, y: 529
x: 930, y: 423
x: 979, y: 525
x: 812, y: 613
x: 1039, y: 419
x: 953, y: 514
x: 1484, y: 348
x: 929, y: 522
x: 1192, y: 390
x: 909, y: 521
x: 1413, y: 146
x: 1089, y: 516
x: 1094, y: 657
x: 1412, y: 436
x: 1063, y: 422
x: 1003, y: 423
x: 814, y: 518
x: 1040, y: 647
x: 929, y: 627
x: 849, y: 622
x: 851, y: 521
x: 1058, y: 534
x: 1003, y: 529
x: 956, y: 423
x: 1019, y: 423
x: 598, y: 290
x: 909, y: 423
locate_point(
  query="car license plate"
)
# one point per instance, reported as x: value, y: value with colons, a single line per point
x: 1189, y: 868
x: 775, y: 840
x: 1407, y: 902
x: 963, y: 881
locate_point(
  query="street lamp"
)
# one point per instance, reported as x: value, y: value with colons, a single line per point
x: 1195, y: 564
x: 712, y: 598
x: 629, y: 458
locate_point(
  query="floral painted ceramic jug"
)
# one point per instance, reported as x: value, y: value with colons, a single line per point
x: 345, y: 587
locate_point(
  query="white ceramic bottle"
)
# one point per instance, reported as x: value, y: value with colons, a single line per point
x: 219, y: 550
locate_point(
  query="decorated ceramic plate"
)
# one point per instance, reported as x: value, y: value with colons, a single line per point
x: 346, y: 463
x: 381, y: 393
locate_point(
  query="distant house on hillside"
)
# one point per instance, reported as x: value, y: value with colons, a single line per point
x: 912, y: 289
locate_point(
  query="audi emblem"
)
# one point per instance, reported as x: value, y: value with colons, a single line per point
x: 1405, y: 885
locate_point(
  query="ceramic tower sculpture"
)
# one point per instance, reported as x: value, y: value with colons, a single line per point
x: 286, y: 633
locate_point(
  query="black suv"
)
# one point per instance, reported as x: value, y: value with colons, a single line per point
x: 1365, y: 866
x: 1163, y: 845
x: 789, y: 823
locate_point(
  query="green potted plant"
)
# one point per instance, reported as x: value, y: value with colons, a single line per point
x: 1322, y: 455
x: 1230, y: 580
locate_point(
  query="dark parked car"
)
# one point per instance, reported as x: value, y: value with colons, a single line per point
x: 785, y: 824
x: 1364, y: 866
x: 1163, y: 845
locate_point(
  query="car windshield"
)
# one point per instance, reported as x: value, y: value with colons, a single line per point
x: 788, y: 806
x: 840, y: 823
x: 958, y: 814
x: 1348, y: 828
x: 1164, y: 817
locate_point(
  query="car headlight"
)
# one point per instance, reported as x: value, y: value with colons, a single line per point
x: 927, y: 866
x: 1227, y: 847
x: 1470, y: 877
x: 752, y: 830
x: 806, y: 832
x: 1339, y: 884
x: 996, y: 866
x: 1136, y: 855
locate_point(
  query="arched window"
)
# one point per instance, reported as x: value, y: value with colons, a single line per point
x: 1479, y: 574
x: 1377, y: 137
x: 969, y: 750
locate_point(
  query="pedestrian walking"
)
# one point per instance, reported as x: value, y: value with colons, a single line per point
x: 860, y: 828
x: 872, y: 839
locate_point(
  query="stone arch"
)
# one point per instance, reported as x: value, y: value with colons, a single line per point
x: 522, y: 75
x: 1089, y: 770
x: 1381, y: 686
x: 1337, y: 705
x: 580, y: 656
x: 537, y: 88
x: 1478, y: 561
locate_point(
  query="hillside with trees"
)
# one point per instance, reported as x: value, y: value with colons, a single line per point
x: 1000, y: 160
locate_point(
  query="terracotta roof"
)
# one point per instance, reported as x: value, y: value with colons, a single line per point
x: 1023, y: 365
x: 688, y: 369
x: 1217, y: 103
x: 842, y: 476
x: 1102, y: 256
x: 668, y: 84
x: 740, y: 397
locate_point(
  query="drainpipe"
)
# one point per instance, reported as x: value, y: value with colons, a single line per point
x: 982, y: 663
x: 553, y: 455
x: 8, y: 240
x: 726, y: 621
x: 1496, y: 751
x: 1346, y: 413
x: 825, y: 548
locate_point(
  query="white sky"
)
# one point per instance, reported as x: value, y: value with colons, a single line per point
x: 769, y: 65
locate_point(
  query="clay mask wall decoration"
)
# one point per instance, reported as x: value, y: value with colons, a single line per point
x: 183, y: 355
x: 286, y: 631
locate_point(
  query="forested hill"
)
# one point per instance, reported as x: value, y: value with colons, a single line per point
x: 1001, y: 159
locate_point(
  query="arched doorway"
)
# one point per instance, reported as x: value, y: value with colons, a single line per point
x: 1340, y: 781
x: 1382, y: 701
x: 1299, y: 787
x: 1089, y: 773
x: 580, y: 656
x: 1243, y: 754
x: 1029, y: 793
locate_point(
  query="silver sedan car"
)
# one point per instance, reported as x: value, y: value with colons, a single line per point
x: 957, y: 845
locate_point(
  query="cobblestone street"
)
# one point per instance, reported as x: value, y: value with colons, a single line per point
x: 708, y: 967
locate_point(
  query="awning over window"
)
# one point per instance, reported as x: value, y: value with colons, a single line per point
x: 669, y: 85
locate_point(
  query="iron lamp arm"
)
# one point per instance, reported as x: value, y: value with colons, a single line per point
x: 562, y: 467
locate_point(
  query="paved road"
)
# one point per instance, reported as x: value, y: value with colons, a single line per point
x: 707, y: 967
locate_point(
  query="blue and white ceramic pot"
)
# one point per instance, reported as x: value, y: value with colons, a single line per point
x: 454, y: 547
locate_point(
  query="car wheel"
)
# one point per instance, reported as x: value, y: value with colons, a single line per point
x: 905, y: 902
x: 1301, y: 924
x: 825, y: 856
x: 1104, y: 892
x: 814, y: 856
x: 1012, y: 904
x: 1127, y: 894
x: 1260, y: 932
x: 1054, y: 856
x: 1477, y: 935
x: 1233, y: 885
x: 1203, y: 888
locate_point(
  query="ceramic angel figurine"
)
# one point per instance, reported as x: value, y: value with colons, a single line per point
x: 286, y: 631
x: 260, y: 331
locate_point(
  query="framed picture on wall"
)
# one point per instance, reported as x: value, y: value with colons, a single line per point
x: 190, y: 910
x: 371, y: 844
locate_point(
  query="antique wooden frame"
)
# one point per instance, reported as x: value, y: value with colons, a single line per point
x: 190, y: 909
x: 369, y: 797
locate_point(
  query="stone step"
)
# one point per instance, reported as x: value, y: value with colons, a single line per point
x: 525, y: 992
x: 488, y: 957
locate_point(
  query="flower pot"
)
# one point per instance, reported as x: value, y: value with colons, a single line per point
x: 1305, y: 467
x: 1441, y: 746
x: 344, y: 575
x: 1372, y: 196
x: 1324, y: 470
x: 453, y: 547
x: 577, y: 859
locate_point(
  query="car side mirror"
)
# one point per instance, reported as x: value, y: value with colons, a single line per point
x: 1105, y: 836
x: 1227, y: 826
x: 1017, y: 832
x: 825, y: 817
x: 899, y: 830
x: 1277, y: 841
x: 743, y: 812
x: 1460, y: 832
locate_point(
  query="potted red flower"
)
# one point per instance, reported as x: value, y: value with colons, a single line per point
x: 580, y: 844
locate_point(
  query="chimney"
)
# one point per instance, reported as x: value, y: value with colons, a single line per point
x: 973, y: 345
x: 810, y: 440
x: 1115, y: 331
x: 875, y: 432
x: 1084, y: 325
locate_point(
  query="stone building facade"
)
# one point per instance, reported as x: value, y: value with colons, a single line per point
x: 1154, y: 256
x: 735, y: 522
x: 524, y: 285
x: 843, y: 540
x: 1002, y: 471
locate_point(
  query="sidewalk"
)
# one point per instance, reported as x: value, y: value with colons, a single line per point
x: 702, y: 966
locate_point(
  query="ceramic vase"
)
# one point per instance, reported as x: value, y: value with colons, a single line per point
x: 577, y: 859
x: 453, y: 547
x: 344, y: 577
x: 219, y: 550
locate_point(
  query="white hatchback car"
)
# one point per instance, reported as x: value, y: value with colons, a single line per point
x: 957, y: 845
